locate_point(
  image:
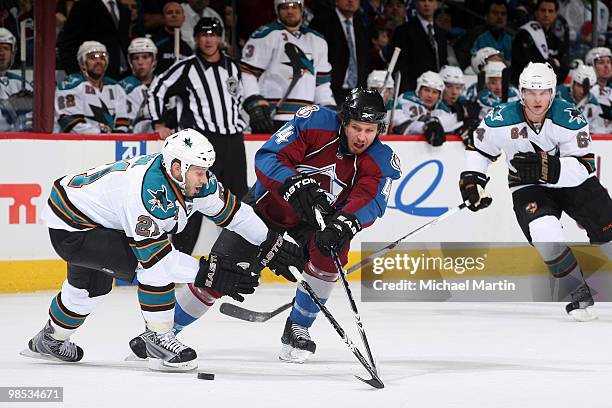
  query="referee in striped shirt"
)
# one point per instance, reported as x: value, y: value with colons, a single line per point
x: 209, y: 88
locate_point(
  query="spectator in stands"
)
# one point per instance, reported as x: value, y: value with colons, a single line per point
x: 495, y: 35
x: 132, y: 6
x: 543, y: 40
x: 105, y: 21
x: 578, y: 12
x: 497, y: 87
x: 373, y: 12
x: 423, y: 45
x: 233, y: 48
x: 347, y: 42
x: 142, y: 56
x: 424, y: 112
x: 579, y: 93
x: 89, y: 101
x: 395, y: 15
x: 376, y: 53
x: 173, y: 17
x: 152, y: 17
x: 15, y: 91
x: 194, y: 10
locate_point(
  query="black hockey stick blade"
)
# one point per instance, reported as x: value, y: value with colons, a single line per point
x: 241, y: 313
x: 373, y: 382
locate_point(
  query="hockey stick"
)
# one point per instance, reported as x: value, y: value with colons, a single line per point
x: 505, y: 84
x: 347, y: 290
x: 253, y: 316
x: 375, y: 381
x: 398, y: 79
x: 296, y: 57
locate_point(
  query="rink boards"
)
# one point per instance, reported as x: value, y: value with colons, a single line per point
x: 427, y: 189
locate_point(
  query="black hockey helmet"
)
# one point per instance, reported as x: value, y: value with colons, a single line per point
x: 208, y: 25
x: 364, y: 105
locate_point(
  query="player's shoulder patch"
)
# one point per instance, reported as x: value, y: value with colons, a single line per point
x: 266, y: 29
x: 157, y: 195
x: 71, y: 82
x: 386, y: 159
x: 504, y: 114
x: 129, y: 84
x: 566, y: 114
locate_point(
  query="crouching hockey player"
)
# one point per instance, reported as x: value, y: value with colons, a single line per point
x: 551, y: 163
x: 113, y: 221
x: 319, y: 159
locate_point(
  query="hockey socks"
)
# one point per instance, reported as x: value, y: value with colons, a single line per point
x: 191, y: 304
x: 69, y: 309
x: 304, y: 310
x: 157, y: 306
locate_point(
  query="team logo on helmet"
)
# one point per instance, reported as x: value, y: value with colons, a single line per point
x: 160, y: 199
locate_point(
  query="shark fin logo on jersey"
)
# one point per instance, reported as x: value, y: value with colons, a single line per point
x: 575, y: 115
x: 101, y: 114
x: 284, y: 134
x: 160, y: 199
x: 495, y: 113
x: 306, y: 111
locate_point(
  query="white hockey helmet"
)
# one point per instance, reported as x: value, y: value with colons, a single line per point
x: 494, y: 69
x: 277, y: 3
x: 452, y: 75
x: 479, y: 58
x: 538, y: 75
x: 430, y: 79
x: 6, y: 37
x: 89, y: 47
x: 596, y: 53
x: 584, y: 72
x: 190, y: 147
x: 141, y: 45
x: 376, y: 79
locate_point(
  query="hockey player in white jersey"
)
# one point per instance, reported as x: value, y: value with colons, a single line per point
x: 493, y: 92
x: 600, y: 58
x: 465, y: 110
x: 142, y: 57
x: 15, y: 92
x: 113, y: 221
x: 424, y: 112
x: 88, y: 101
x: 579, y: 93
x: 547, y: 146
x: 284, y: 67
x: 478, y: 62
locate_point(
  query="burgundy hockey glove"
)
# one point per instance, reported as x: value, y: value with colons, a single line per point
x: 472, y: 184
x: 278, y: 254
x: 304, y: 194
x: 534, y: 168
x: 223, y: 275
x: 338, y: 232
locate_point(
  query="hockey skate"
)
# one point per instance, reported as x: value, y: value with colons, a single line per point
x: 138, y: 347
x: 297, y: 344
x: 580, y: 307
x: 166, y: 353
x: 45, y: 347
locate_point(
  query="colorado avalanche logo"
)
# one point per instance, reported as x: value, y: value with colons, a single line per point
x: 305, y: 111
x: 327, y: 179
x: 283, y: 134
x: 395, y: 163
x: 160, y: 199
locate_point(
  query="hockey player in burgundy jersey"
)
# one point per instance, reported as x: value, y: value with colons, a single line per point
x: 335, y: 162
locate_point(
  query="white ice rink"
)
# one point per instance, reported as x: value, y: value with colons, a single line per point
x: 472, y: 355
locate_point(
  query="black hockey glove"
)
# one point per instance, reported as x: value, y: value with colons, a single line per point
x: 338, y: 232
x: 260, y: 114
x: 471, y: 185
x: 534, y: 168
x: 278, y: 254
x: 304, y: 195
x: 434, y: 132
x: 606, y: 112
x: 223, y: 275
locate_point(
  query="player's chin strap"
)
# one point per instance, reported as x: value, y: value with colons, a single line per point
x: 347, y: 290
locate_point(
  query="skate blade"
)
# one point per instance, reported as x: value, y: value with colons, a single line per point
x: 39, y: 356
x: 293, y: 355
x: 134, y: 357
x: 157, y: 364
x: 583, y: 315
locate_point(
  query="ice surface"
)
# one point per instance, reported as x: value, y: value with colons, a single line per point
x: 429, y: 355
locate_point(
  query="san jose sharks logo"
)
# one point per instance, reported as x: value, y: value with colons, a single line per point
x: 298, y: 60
x: 575, y: 115
x: 101, y: 114
x: 160, y: 199
x: 496, y: 113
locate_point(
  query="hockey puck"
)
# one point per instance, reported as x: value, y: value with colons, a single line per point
x: 206, y: 376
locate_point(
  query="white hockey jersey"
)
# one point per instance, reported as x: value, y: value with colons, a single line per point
x: 488, y: 100
x: 137, y: 107
x: 603, y: 94
x: 411, y: 114
x: 590, y: 109
x: 80, y: 107
x: 15, y: 115
x: 564, y: 133
x: 268, y: 70
x: 137, y: 197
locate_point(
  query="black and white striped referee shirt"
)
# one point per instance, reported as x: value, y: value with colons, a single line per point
x: 211, y: 95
